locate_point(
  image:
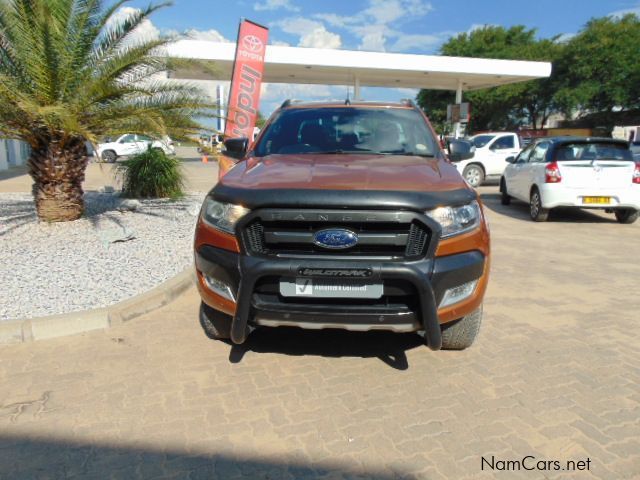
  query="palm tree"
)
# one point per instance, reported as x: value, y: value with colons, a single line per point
x: 72, y: 71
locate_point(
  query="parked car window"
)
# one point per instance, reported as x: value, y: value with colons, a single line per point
x: 347, y: 130
x: 524, y: 155
x: 539, y: 152
x: 594, y: 151
x: 144, y: 138
x: 128, y: 139
x: 481, y: 140
x: 504, y: 143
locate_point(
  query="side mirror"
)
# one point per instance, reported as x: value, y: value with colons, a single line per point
x: 511, y: 159
x: 236, y: 147
x: 460, y: 150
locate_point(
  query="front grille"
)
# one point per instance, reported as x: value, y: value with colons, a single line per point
x: 388, y: 236
x: 417, y: 242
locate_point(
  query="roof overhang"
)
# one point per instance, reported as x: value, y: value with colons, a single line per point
x: 377, y: 69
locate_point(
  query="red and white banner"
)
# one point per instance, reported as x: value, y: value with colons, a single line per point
x: 248, y: 68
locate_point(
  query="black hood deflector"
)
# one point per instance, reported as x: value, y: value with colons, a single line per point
x: 348, y: 199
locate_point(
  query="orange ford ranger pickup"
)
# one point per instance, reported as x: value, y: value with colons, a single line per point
x: 343, y: 216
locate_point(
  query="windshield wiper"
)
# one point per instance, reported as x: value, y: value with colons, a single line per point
x: 340, y: 151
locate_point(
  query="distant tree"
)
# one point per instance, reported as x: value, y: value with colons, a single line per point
x: 600, y: 69
x: 503, y: 107
x: 260, y: 120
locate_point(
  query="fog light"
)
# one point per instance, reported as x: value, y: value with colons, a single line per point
x: 219, y: 287
x: 457, y: 294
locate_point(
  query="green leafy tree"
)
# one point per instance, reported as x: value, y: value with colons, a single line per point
x: 600, y: 69
x: 72, y: 71
x: 508, y: 106
x: 260, y: 120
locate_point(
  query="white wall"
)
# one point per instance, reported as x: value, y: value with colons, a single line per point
x: 12, y: 153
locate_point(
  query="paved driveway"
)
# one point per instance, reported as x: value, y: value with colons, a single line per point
x: 199, y: 177
x: 554, y: 377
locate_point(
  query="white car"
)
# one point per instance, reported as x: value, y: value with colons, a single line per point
x: 131, y: 144
x: 595, y: 173
x: 489, y: 160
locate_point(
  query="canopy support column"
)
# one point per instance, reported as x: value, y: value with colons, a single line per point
x: 458, y: 102
x: 356, y: 88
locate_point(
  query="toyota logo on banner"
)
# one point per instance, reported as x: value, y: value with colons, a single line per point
x: 252, y: 43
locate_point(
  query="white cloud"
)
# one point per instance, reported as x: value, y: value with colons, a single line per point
x: 144, y: 32
x: 320, y: 38
x: 275, y: 5
x: 211, y: 35
x: 419, y: 42
x: 480, y: 26
x: 565, y: 37
x: 621, y: 13
x: 279, y: 43
x: 310, y: 32
x: 373, y: 25
x: 373, y: 41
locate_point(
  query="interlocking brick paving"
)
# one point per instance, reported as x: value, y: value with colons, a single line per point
x: 554, y: 375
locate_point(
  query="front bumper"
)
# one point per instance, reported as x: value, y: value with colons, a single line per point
x: 424, y: 281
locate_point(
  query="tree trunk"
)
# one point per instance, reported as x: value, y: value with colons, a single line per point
x: 57, y: 170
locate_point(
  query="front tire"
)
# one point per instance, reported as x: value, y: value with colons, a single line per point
x: 216, y: 325
x: 536, y: 210
x: 109, y: 156
x: 473, y: 174
x: 505, y: 199
x: 627, y: 216
x: 461, y: 334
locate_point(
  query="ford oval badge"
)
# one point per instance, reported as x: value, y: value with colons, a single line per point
x: 336, y: 238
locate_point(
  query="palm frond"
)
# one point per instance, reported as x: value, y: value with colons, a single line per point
x: 73, y: 68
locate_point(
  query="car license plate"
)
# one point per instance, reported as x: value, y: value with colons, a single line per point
x: 325, y: 288
x: 596, y: 200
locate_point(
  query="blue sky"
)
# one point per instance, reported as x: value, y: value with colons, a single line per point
x: 408, y: 26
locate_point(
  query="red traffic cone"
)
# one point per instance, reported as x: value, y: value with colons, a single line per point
x: 205, y: 159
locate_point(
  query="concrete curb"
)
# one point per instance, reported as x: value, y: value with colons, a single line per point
x: 27, y: 330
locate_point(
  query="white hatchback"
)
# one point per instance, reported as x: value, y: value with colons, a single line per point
x: 574, y: 172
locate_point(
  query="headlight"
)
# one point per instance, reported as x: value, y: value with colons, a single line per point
x: 456, y: 220
x: 222, y: 216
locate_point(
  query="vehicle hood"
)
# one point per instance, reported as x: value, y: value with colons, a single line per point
x: 339, y: 181
x: 345, y: 172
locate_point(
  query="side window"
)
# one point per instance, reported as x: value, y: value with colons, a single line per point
x: 128, y: 139
x: 539, y: 153
x: 524, y: 155
x: 504, y: 143
x: 144, y: 138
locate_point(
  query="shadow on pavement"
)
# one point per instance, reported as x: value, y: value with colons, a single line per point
x: 520, y: 211
x: 13, y: 172
x: 387, y: 346
x: 44, y: 458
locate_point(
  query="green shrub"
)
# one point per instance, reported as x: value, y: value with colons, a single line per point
x: 151, y: 174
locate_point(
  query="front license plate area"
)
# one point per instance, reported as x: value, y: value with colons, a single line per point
x: 329, y: 288
x: 596, y: 200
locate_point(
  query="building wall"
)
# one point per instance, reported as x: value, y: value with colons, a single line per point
x: 12, y: 153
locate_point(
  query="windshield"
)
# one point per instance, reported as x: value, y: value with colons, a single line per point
x: 347, y: 130
x: 481, y: 140
x: 593, y: 151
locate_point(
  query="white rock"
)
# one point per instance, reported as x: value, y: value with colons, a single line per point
x: 47, y: 269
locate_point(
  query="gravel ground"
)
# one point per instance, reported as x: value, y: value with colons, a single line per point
x: 120, y: 248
